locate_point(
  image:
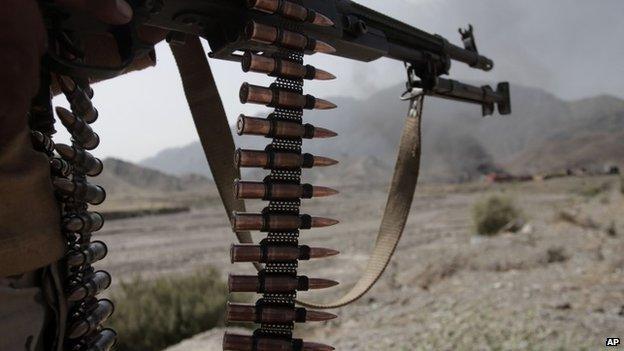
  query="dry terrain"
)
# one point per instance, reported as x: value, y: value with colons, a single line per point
x: 558, y: 284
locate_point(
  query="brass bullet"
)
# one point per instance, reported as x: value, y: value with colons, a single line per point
x: 79, y: 99
x: 42, y: 142
x: 100, y: 281
x: 324, y: 162
x: 320, y: 74
x: 81, y: 159
x: 61, y: 167
x: 92, y: 322
x: 280, y: 129
x: 273, y: 314
x: 322, y: 20
x: 321, y: 104
x: 291, y: 11
x: 266, y: 254
x: 87, y: 192
x: 270, y: 35
x: 79, y: 129
x: 96, y: 251
x: 264, y: 222
x: 236, y: 342
x: 104, y: 341
x: 279, y: 191
x: 278, y: 67
x: 274, y: 97
x: 67, y: 84
x: 322, y: 133
x: 279, y: 160
x: 85, y: 222
x: 276, y: 283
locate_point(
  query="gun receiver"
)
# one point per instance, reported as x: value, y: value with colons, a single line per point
x: 357, y: 33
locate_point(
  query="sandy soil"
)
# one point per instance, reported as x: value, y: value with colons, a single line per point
x: 554, y: 286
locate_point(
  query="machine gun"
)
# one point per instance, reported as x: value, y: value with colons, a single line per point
x: 357, y: 33
x: 269, y: 37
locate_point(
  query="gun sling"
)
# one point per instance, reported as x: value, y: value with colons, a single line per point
x: 218, y: 144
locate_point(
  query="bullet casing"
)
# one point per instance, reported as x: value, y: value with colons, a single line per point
x: 79, y: 99
x: 274, y: 97
x: 81, y: 159
x: 91, y: 193
x: 60, y: 167
x: 42, y: 142
x: 274, y: 191
x: 278, y: 67
x: 273, y: 314
x: 276, y: 283
x: 272, y: 253
x: 97, y: 316
x: 100, y: 281
x: 270, y: 160
x: 277, y: 222
x: 256, y: 253
x: 104, y: 341
x: 291, y: 11
x: 271, y: 128
x: 96, y: 251
x: 270, y: 35
x: 279, y: 160
x: 84, y: 222
x: 235, y: 342
x: 81, y: 132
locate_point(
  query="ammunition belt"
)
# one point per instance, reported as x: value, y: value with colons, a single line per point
x: 276, y: 258
x: 277, y: 281
x: 278, y: 254
x: 70, y: 166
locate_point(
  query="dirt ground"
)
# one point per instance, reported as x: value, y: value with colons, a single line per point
x: 558, y: 284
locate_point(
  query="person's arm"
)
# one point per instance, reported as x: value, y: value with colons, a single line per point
x: 29, y: 215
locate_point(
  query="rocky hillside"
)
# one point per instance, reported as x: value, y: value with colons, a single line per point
x: 121, y: 177
x: 544, y: 133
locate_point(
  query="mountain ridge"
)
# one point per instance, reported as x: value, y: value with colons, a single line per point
x: 543, y: 134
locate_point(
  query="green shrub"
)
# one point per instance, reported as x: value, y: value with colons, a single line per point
x: 492, y: 214
x: 153, y: 314
x: 590, y: 191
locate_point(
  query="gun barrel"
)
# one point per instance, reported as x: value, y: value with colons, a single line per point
x: 405, y: 42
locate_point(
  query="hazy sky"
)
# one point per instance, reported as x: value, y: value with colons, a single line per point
x: 573, y: 49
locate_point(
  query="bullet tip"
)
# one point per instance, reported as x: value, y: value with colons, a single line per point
x: 64, y: 114
x: 323, y: 75
x: 324, y: 105
x: 316, y: 283
x: 316, y: 252
x: 318, y: 222
x: 324, y: 48
x: 322, y: 20
x: 321, y: 191
x: 323, y: 133
x: 320, y: 161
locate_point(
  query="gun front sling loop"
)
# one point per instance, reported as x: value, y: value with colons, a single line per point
x: 218, y: 144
